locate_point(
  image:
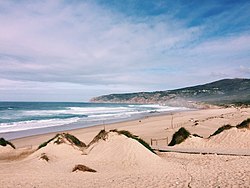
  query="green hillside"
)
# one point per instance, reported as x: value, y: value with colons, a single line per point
x: 226, y: 91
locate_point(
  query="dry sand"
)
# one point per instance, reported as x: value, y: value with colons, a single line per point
x: 123, y: 162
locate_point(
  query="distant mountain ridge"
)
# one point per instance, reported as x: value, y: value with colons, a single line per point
x: 226, y: 91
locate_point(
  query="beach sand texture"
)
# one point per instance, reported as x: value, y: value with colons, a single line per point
x: 123, y: 162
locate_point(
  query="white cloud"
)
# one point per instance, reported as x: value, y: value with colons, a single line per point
x: 80, y: 40
x: 53, y: 44
x: 245, y: 70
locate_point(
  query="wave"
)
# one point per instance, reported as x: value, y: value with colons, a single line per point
x: 93, y: 110
x: 114, y: 115
x: 34, y: 124
x: 42, y: 117
x: 34, y: 116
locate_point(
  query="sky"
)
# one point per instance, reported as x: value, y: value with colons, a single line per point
x: 73, y: 50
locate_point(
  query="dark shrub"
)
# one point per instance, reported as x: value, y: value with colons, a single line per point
x: 179, y: 136
x: 244, y: 124
x: 4, y: 142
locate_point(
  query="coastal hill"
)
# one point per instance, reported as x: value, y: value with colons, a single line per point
x: 226, y: 91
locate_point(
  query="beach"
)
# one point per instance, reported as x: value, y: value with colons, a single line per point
x: 156, y: 127
x: 122, y: 162
x: 124, y: 94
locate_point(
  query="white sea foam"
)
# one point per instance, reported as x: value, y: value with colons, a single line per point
x: 94, y: 110
x: 34, y: 124
x: 34, y: 119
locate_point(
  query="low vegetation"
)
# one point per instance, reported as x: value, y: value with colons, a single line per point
x: 244, y: 124
x: 181, y: 135
x: 4, y: 142
x: 102, y: 135
x: 221, y: 129
x: 226, y: 92
x: 83, y: 168
x: 230, y: 103
x: 73, y: 140
x: 130, y: 135
x: 60, y: 139
x: 44, y: 157
x: 45, y: 143
x: 196, y: 135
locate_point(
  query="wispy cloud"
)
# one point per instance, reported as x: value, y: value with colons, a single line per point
x: 245, y: 70
x: 103, y: 47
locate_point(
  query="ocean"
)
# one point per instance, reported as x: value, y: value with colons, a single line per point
x: 20, y: 119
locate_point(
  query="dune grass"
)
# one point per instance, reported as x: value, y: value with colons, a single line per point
x: 221, y: 129
x: 196, y: 135
x: 82, y: 168
x: 71, y: 138
x: 244, y: 124
x: 102, y: 135
x: 4, y: 142
x: 179, y: 136
x: 45, y: 143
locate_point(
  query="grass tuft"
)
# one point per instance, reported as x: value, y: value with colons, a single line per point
x: 4, y: 142
x: 59, y: 139
x: 82, y: 168
x: 72, y: 139
x: 179, y: 136
x: 244, y: 124
x: 102, y: 135
x: 44, y: 157
x: 196, y: 135
x: 45, y: 143
x: 221, y: 129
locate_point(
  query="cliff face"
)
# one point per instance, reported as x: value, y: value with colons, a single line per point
x: 220, y: 92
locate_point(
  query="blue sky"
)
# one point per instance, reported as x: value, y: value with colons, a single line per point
x: 74, y: 50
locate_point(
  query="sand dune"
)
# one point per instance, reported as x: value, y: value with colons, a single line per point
x: 121, y: 151
x: 120, y: 161
x: 5, y: 150
x: 115, y: 152
x: 228, y: 139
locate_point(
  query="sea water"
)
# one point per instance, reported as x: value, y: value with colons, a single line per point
x: 19, y: 119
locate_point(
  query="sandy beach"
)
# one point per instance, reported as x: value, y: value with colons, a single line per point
x: 124, y: 94
x: 120, y: 161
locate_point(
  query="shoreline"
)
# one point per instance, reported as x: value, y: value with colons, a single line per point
x: 154, y: 127
x: 36, y: 129
x: 13, y: 135
x: 97, y: 126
